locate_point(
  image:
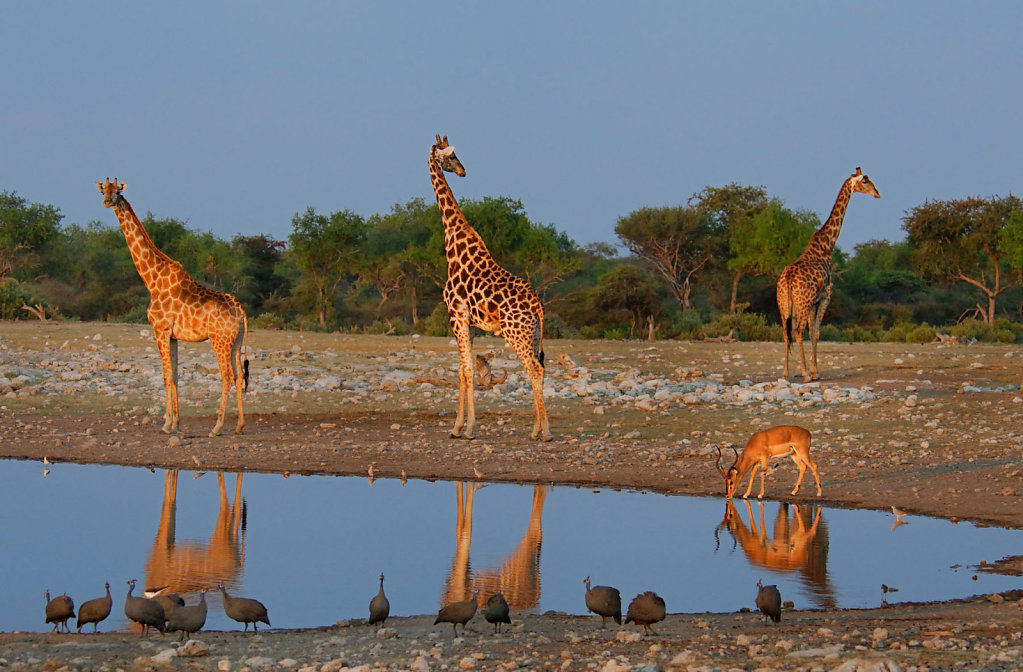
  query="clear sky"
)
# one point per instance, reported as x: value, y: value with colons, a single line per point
x: 234, y: 116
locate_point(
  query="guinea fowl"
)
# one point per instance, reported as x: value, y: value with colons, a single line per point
x: 244, y: 610
x: 769, y: 601
x: 604, y: 601
x: 458, y: 612
x: 59, y: 610
x: 169, y: 602
x: 646, y: 608
x: 379, y: 607
x: 189, y: 619
x: 496, y: 611
x: 144, y: 611
x: 95, y: 610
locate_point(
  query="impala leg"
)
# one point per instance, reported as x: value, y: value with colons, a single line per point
x: 763, y: 475
x: 816, y: 476
x: 802, y: 471
x: 752, y: 475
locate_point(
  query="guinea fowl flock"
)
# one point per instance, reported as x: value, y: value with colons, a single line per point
x: 168, y: 612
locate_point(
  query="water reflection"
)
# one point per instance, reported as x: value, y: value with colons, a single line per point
x: 190, y: 565
x: 518, y: 577
x: 312, y: 548
x: 798, y: 544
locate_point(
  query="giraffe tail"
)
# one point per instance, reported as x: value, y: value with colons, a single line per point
x: 245, y: 355
x: 538, y: 339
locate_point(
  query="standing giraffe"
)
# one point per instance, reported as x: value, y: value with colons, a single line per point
x: 480, y: 293
x: 804, y: 288
x: 182, y: 309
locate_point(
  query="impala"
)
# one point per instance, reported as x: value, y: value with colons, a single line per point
x: 776, y: 442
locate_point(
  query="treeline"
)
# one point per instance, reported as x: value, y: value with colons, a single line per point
x: 704, y: 268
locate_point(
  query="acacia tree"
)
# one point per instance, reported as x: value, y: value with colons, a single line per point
x: 325, y: 248
x: 735, y: 208
x: 629, y: 288
x: 962, y: 240
x: 26, y: 231
x: 676, y: 241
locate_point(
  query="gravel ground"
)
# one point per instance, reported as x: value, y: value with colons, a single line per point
x: 931, y: 428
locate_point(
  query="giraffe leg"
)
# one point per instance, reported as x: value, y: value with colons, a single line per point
x: 797, y: 334
x: 466, y: 418
x: 815, y: 330
x: 168, y: 348
x: 522, y: 343
x: 224, y: 355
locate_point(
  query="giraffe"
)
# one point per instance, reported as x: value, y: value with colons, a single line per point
x: 804, y: 288
x: 182, y: 309
x: 480, y: 293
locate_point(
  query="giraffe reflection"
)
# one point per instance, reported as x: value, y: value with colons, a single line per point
x: 190, y: 565
x: 799, y: 544
x: 518, y: 577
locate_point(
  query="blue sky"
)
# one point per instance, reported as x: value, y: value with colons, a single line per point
x: 233, y: 116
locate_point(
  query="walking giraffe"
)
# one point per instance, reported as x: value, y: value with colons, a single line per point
x: 480, y: 293
x: 804, y: 288
x: 182, y: 309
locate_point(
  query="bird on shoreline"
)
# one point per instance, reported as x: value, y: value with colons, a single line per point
x: 496, y: 611
x: 95, y: 610
x: 379, y: 606
x: 769, y: 601
x: 458, y: 612
x: 244, y: 610
x: 604, y: 601
x: 646, y: 609
x: 59, y: 610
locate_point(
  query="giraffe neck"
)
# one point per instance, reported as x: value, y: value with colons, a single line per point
x: 147, y: 257
x: 827, y: 235
x: 456, y: 228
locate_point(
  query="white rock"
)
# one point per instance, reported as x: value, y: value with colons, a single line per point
x: 260, y: 662
x: 164, y: 657
x: 194, y: 648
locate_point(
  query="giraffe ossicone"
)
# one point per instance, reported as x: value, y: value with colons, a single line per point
x: 182, y: 309
x: 479, y: 292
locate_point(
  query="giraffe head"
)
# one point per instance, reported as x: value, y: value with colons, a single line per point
x: 862, y: 184
x: 111, y: 192
x: 446, y: 155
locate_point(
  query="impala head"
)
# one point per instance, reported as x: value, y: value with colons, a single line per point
x: 730, y: 475
x: 111, y: 192
x: 446, y: 155
x: 862, y: 184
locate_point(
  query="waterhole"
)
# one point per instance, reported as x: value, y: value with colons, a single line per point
x: 312, y: 548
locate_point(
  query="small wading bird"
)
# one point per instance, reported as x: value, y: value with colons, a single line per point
x: 884, y: 593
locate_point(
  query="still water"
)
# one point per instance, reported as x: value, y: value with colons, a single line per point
x: 312, y: 548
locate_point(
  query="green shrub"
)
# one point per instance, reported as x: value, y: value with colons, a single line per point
x: 859, y: 334
x: 743, y: 327
x: 554, y: 326
x: 897, y: 334
x: 830, y: 332
x: 14, y: 295
x: 923, y: 333
x: 268, y: 321
x: 437, y: 324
